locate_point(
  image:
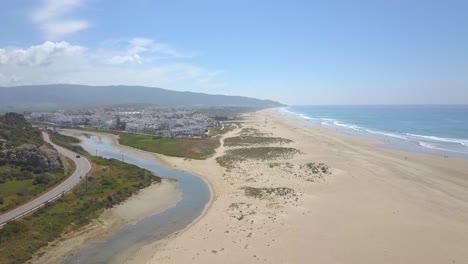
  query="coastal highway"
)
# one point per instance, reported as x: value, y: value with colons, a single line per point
x: 82, y: 168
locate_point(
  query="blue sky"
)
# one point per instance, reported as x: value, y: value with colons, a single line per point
x: 297, y: 52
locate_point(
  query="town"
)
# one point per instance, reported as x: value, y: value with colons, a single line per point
x: 174, y: 122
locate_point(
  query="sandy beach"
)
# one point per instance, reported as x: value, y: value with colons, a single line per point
x: 376, y: 206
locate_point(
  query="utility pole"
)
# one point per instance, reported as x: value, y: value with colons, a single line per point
x: 122, y: 157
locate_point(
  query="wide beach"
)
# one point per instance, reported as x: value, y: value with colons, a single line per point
x: 376, y: 206
x: 373, y: 206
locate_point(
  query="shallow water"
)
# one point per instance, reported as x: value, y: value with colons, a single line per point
x: 122, y: 244
x: 433, y: 129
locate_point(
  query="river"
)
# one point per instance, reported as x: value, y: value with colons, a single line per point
x: 117, y: 247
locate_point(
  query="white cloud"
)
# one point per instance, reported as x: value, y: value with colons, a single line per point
x: 137, y: 47
x: 51, y: 18
x: 39, y: 55
x: 133, y: 58
x: 3, y: 56
x: 145, y: 44
x: 142, y: 42
x: 62, y: 62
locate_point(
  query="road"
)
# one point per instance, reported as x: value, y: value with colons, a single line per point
x: 82, y: 168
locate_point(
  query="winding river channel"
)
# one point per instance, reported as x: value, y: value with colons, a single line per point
x: 117, y: 247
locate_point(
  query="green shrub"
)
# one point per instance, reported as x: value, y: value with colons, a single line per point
x: 267, y: 192
x: 38, y: 170
x: 41, y: 179
x: 233, y: 156
x: 254, y: 140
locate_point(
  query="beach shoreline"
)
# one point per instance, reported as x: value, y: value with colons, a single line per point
x: 204, y: 241
x: 406, y: 140
x: 395, y: 204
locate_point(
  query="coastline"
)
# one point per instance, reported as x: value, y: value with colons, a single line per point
x: 378, y: 205
x: 392, y: 138
x: 397, y: 205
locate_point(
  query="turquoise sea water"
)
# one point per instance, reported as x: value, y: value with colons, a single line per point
x: 436, y: 129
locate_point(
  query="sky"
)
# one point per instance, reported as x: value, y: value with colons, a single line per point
x: 295, y: 52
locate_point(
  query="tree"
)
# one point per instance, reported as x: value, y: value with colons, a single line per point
x: 41, y: 179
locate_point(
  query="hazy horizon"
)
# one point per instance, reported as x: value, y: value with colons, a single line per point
x: 286, y: 105
x: 297, y: 53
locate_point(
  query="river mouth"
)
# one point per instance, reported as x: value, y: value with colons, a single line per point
x: 119, y: 246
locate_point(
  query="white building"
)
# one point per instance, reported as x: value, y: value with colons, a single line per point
x: 134, y: 127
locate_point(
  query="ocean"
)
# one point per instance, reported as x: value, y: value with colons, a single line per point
x: 434, y: 129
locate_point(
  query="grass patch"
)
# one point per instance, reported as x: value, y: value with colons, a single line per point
x: 317, y: 168
x: 63, y: 140
x: 111, y: 182
x: 19, y: 184
x: 228, y: 161
x: 175, y: 147
x: 249, y: 131
x: 243, y: 141
x: 66, y: 142
x: 264, y: 153
x: 234, y: 156
x: 221, y: 130
x: 262, y: 193
x: 232, y: 112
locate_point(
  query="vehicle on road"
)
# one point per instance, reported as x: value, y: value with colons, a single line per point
x: 78, y: 156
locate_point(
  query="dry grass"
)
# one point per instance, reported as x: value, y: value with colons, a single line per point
x: 233, y: 156
x: 249, y: 131
x: 262, y: 193
x: 243, y: 141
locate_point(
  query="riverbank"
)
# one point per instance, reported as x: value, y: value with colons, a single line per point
x: 151, y: 200
x: 158, y: 197
x: 144, y: 253
x: 376, y: 206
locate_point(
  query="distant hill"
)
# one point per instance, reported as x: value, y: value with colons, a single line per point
x: 62, y: 95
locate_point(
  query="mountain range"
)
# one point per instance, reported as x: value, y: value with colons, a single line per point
x: 68, y: 95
